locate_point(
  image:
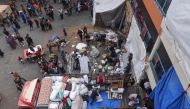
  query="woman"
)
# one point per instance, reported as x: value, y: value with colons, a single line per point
x: 11, y: 41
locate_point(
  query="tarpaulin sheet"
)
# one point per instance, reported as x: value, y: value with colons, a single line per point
x: 106, y: 103
x: 178, y: 25
x: 107, y: 12
x: 169, y: 93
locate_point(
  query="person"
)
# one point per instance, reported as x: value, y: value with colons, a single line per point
x: 94, y: 96
x: 85, y: 31
x: 15, y: 29
x: 42, y: 24
x: 37, y: 23
x: 29, y: 40
x: 11, y: 41
x: 80, y: 34
x: 20, y: 59
x: 20, y: 40
x: 61, y: 69
x: 63, y: 53
x: 87, y: 39
x: 65, y: 32
x: 30, y: 23
x: 49, y: 24
x: 78, y: 7
x: 19, y: 81
x: 6, y: 32
x: 1, y: 53
x: 60, y: 10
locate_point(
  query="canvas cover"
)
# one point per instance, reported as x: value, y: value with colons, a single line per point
x: 108, y: 12
x: 177, y: 27
x: 169, y: 93
x: 136, y: 46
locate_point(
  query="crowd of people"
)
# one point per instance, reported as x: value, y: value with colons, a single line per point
x: 38, y: 15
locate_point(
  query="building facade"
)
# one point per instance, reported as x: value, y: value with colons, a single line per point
x: 149, y: 15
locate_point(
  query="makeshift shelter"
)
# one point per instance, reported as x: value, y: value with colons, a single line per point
x: 169, y: 93
x: 136, y: 46
x: 3, y: 10
x: 176, y: 28
x: 108, y: 12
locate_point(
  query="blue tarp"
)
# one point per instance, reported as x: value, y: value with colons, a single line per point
x: 169, y: 92
x: 106, y: 103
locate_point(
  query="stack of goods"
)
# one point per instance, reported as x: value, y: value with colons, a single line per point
x: 45, y: 90
x: 116, y: 90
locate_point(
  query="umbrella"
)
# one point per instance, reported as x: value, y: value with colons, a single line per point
x: 80, y: 46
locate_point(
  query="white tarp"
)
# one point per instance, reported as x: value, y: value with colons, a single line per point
x: 100, y: 6
x: 177, y: 23
x: 136, y: 46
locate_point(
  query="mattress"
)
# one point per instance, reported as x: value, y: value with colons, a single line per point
x: 45, y: 91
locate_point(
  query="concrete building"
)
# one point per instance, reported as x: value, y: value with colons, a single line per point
x: 150, y: 15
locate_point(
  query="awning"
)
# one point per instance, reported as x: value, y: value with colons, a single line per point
x: 169, y: 93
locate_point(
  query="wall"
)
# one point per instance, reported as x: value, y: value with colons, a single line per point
x: 154, y: 13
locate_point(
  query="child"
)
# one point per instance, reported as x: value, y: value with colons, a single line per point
x: 20, y: 59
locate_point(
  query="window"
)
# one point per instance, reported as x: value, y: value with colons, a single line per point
x: 163, y: 5
x: 160, y: 62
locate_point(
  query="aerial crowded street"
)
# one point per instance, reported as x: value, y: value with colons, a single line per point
x: 94, y: 54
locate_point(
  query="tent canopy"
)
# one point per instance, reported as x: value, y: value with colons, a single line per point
x: 177, y: 23
x: 169, y: 93
x: 107, y: 12
x: 106, y: 5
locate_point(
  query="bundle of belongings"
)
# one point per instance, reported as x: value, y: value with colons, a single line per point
x: 59, y: 92
x: 64, y: 92
x: 133, y: 99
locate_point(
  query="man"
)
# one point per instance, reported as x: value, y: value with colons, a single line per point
x: 19, y: 81
x: 60, y: 10
x: 37, y: 23
x: 80, y: 34
x: 6, y: 32
x: 20, y: 40
x: 85, y: 31
x: 30, y: 23
x: 63, y: 53
x: 29, y: 40
x: 65, y: 32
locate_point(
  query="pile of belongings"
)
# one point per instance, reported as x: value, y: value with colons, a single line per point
x: 68, y: 92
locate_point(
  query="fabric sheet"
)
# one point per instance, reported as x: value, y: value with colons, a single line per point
x: 177, y: 23
x: 106, y: 103
x: 169, y: 93
x: 105, y: 8
x: 136, y: 46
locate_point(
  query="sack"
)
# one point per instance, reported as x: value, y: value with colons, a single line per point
x: 100, y: 79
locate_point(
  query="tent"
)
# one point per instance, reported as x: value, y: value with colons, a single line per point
x: 177, y: 25
x: 108, y: 12
x: 169, y: 93
x: 136, y: 46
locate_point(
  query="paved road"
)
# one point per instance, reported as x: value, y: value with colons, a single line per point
x: 29, y: 71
